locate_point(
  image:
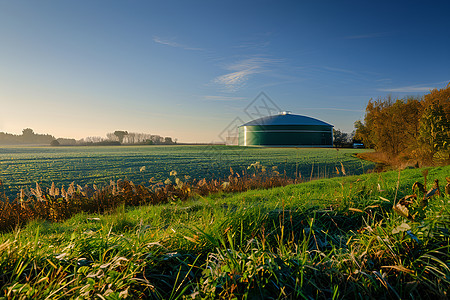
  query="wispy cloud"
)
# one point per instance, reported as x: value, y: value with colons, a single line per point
x: 223, y: 98
x: 367, y: 36
x: 253, y: 45
x: 418, y: 88
x: 242, y: 70
x: 408, y: 89
x: 339, y: 70
x: 334, y: 108
x: 171, y: 43
x: 257, y: 41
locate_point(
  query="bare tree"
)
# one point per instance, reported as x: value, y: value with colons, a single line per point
x: 130, y: 138
x: 112, y: 137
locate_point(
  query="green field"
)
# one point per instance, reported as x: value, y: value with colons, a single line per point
x: 21, y: 167
x: 326, y: 239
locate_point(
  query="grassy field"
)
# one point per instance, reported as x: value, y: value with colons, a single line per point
x: 21, y: 167
x: 326, y: 239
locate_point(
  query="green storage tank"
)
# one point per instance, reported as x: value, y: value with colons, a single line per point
x: 286, y: 130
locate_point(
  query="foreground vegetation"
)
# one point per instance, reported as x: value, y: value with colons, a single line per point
x: 328, y: 238
x: 58, y: 204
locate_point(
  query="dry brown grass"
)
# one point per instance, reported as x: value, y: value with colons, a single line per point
x: 58, y: 204
x: 386, y: 162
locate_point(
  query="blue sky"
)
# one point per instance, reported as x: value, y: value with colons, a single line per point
x: 187, y: 69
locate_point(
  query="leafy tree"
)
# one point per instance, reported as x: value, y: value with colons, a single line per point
x: 120, y: 135
x: 390, y: 126
x: 340, y: 138
x: 29, y: 137
x: 434, y: 131
x: 380, y: 118
x: 411, y: 114
x: 27, y: 132
x: 413, y: 127
x: 439, y: 97
x: 54, y: 143
x: 66, y: 141
x: 362, y: 133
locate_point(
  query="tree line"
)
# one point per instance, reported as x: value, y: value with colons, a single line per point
x: 119, y: 137
x: 125, y: 137
x: 409, y: 128
x: 342, y: 139
x: 28, y: 136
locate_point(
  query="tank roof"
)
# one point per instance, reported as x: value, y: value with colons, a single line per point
x: 286, y: 118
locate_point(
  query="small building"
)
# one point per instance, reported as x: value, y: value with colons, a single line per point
x: 286, y: 130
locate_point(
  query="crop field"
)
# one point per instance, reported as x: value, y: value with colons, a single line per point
x: 21, y: 167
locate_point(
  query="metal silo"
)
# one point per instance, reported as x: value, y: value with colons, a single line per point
x: 286, y: 130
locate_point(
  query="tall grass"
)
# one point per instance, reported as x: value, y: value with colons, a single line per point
x: 58, y: 204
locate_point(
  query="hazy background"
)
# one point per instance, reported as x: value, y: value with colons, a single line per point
x: 186, y: 69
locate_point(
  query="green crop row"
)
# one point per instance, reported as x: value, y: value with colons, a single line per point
x: 22, y: 167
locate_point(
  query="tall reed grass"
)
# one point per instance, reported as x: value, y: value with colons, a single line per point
x: 58, y: 204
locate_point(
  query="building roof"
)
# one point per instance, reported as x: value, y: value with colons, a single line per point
x: 286, y: 118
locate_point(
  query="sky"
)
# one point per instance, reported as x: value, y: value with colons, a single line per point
x: 192, y: 69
